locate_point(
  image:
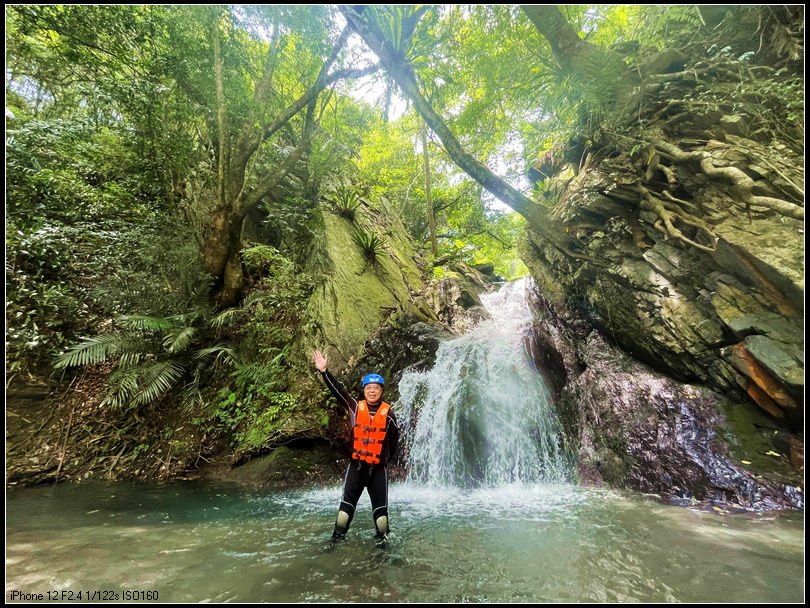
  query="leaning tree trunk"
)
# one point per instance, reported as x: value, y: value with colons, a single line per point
x: 400, y: 70
x: 574, y: 54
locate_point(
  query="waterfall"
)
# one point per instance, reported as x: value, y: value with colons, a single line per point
x: 482, y: 415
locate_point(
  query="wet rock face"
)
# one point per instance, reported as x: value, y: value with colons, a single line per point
x: 636, y: 428
x: 642, y: 430
x: 455, y: 299
x: 406, y: 344
x: 730, y: 319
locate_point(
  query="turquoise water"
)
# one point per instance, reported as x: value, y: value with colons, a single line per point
x: 196, y: 542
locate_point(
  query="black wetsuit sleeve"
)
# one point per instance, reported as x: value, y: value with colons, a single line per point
x: 339, y: 392
x: 391, y: 437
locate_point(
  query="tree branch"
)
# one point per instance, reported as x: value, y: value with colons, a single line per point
x: 245, y: 203
x: 250, y: 145
x: 402, y: 72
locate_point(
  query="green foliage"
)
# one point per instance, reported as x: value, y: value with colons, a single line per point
x: 157, y: 271
x: 68, y: 170
x: 344, y: 127
x: 151, y: 356
x: 779, y: 107
x: 280, y: 288
x: 132, y: 387
x: 102, y: 348
x: 62, y: 280
x: 344, y: 199
x: 372, y: 245
x: 387, y: 163
x: 254, y: 401
x: 255, y: 408
x: 665, y: 23
x: 43, y: 307
x: 496, y: 243
x: 268, y: 422
x: 86, y: 236
x: 290, y: 225
x: 105, y: 65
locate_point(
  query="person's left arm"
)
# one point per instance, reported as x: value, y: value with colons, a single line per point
x: 391, y: 436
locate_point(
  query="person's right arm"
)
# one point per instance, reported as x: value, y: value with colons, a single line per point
x: 335, y: 387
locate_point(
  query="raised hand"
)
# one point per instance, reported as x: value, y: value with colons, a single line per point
x: 319, y: 359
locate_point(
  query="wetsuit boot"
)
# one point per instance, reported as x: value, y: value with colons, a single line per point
x: 381, y: 538
x: 339, y: 534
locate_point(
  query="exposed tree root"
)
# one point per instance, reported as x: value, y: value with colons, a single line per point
x: 742, y: 183
x: 668, y: 213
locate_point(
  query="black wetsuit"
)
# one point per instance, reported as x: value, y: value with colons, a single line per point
x: 360, y: 474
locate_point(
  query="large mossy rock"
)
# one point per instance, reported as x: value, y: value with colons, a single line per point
x: 285, y: 467
x: 357, y: 297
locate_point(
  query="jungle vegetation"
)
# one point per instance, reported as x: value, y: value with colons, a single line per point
x: 167, y: 166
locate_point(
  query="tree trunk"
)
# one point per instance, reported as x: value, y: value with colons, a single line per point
x: 571, y: 51
x: 429, y: 199
x: 401, y: 71
x: 222, y: 160
x: 592, y: 65
x: 221, y: 242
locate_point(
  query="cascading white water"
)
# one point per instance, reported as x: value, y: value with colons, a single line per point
x: 482, y: 415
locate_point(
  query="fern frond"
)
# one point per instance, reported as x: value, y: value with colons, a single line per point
x: 146, y: 323
x: 222, y: 352
x: 191, y: 395
x: 95, y: 350
x: 224, y: 318
x: 130, y: 359
x: 257, y: 296
x: 156, y: 380
x: 123, y: 385
x: 274, y: 335
x: 178, y: 339
x: 277, y: 359
x: 265, y: 375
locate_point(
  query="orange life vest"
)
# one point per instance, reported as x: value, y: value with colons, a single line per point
x: 369, y: 433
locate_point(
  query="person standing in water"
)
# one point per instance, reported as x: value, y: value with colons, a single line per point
x: 375, y: 438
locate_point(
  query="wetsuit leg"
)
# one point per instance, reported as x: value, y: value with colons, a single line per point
x: 378, y: 491
x: 353, y: 485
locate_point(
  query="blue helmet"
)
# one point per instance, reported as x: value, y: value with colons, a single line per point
x: 375, y: 378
